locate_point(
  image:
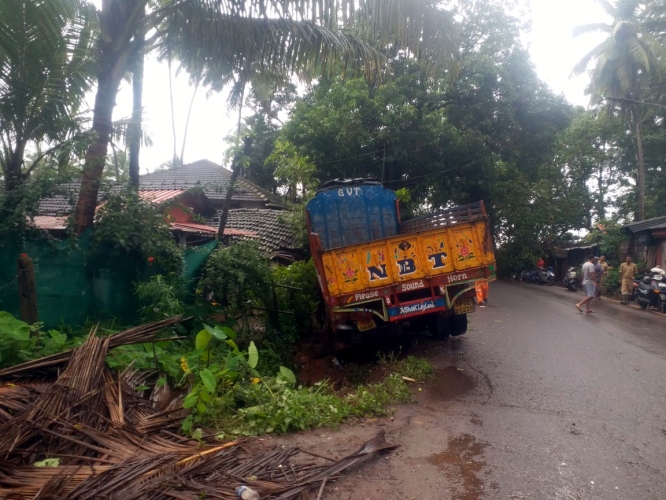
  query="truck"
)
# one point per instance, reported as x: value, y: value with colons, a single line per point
x: 380, y: 276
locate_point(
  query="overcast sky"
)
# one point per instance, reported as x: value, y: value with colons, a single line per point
x: 553, y: 48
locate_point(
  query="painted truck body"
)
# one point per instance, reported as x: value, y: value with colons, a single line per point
x: 378, y: 273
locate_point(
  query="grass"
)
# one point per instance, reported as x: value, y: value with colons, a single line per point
x: 257, y: 411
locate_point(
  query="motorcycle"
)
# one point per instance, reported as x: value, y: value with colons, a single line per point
x: 541, y: 276
x: 571, y: 279
x: 651, y: 292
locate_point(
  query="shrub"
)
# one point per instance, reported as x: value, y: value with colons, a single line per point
x: 237, y: 276
x: 133, y: 234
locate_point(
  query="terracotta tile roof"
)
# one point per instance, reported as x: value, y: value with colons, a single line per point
x: 50, y: 222
x: 191, y: 227
x: 160, y: 196
x: 210, y: 177
x: 273, y: 232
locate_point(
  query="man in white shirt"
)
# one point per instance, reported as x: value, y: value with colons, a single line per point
x: 588, y: 285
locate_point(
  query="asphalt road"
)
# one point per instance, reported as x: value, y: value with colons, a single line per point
x: 568, y: 405
x: 537, y: 401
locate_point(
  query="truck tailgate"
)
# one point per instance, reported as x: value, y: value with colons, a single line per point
x: 408, y: 257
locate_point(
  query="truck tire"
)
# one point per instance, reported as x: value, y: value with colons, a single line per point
x: 439, y: 326
x: 458, y: 324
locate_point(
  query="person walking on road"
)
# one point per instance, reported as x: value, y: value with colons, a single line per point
x: 589, y: 286
x: 628, y: 272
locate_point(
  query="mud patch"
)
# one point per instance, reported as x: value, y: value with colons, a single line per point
x: 462, y: 462
x: 450, y: 383
x: 475, y: 420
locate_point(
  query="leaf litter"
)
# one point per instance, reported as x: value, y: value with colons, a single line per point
x: 102, y: 439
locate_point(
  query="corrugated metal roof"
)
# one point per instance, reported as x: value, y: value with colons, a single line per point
x: 646, y: 225
x: 160, y: 195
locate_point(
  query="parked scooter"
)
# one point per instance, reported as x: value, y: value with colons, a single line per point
x: 541, y: 276
x: 547, y: 276
x: 571, y: 279
x: 651, y: 291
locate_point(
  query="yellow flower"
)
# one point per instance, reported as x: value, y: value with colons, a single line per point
x: 184, y: 366
x: 256, y: 380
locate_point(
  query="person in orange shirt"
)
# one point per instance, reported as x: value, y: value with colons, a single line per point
x: 481, y: 287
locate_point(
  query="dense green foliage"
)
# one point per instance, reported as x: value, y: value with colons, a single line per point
x: 20, y: 342
x: 133, y: 234
x: 237, y: 277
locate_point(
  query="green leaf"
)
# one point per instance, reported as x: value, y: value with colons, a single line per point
x: 252, y: 355
x: 216, y: 332
x: 201, y: 408
x: 59, y: 338
x: 161, y: 381
x: 208, y: 379
x: 287, y: 375
x: 190, y: 400
x: 187, y: 423
x: 229, y: 332
x: 202, y: 340
x: 48, y: 462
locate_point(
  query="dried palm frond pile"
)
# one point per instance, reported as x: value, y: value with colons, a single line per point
x: 102, y: 440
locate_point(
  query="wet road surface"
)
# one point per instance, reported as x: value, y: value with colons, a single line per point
x: 537, y: 401
x: 566, y: 405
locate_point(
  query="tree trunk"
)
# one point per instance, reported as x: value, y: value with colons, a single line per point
x: 134, y: 131
x: 187, y: 122
x: 247, y: 147
x: 118, y: 27
x: 93, y: 168
x: 640, y: 170
x: 13, y: 176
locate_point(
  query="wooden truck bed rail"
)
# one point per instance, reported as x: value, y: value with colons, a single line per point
x: 445, y: 217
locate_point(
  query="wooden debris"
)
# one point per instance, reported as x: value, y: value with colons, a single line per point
x: 111, y: 442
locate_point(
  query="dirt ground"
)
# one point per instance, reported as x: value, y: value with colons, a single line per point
x: 433, y: 460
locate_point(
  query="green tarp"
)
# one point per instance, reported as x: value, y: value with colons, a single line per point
x: 70, y: 292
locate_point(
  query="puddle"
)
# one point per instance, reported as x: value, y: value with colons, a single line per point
x: 451, y: 382
x: 462, y: 462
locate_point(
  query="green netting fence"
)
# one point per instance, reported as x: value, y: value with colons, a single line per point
x: 70, y: 291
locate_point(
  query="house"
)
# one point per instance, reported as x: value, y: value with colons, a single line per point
x: 193, y: 197
x: 647, y: 241
x: 572, y: 257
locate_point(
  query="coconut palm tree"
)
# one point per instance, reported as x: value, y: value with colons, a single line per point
x: 624, y: 64
x: 231, y: 37
x: 47, y: 64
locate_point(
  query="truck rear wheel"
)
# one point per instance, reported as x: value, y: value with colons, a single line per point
x: 458, y: 324
x: 439, y: 326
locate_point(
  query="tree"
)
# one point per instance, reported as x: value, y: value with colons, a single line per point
x: 624, y: 64
x: 229, y: 37
x: 47, y: 62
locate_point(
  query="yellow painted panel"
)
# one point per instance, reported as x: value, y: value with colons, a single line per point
x: 484, y: 244
x: 465, y: 247
x: 331, y: 274
x: 406, y: 259
x: 349, y: 273
x: 436, y: 253
x: 377, y: 268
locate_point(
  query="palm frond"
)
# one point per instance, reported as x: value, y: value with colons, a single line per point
x: 591, y: 28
